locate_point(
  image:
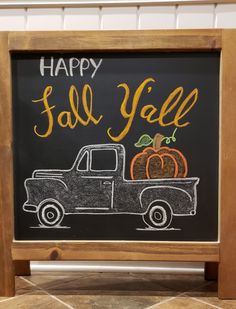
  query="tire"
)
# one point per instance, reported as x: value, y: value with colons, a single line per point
x: 50, y: 213
x: 158, y: 215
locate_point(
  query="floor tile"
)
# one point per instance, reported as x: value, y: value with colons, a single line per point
x: 208, y: 294
x: 209, y: 289
x: 110, y: 301
x: 47, y: 281
x: 86, y: 290
x: 223, y: 304
x: 181, y: 302
x: 105, y: 284
x: 178, y: 283
x: 37, y: 300
x: 106, y: 290
x: 22, y: 286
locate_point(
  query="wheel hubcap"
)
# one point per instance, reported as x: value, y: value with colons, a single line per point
x: 158, y: 216
x: 50, y: 215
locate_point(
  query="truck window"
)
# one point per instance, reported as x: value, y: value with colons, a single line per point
x: 83, y: 163
x: 103, y: 160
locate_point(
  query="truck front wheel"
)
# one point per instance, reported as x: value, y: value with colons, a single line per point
x: 50, y: 213
x: 158, y: 215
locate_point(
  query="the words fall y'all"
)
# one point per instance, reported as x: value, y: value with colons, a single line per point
x: 176, y: 106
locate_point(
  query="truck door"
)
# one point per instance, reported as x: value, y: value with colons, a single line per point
x: 96, y: 183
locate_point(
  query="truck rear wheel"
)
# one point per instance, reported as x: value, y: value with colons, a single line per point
x: 50, y: 213
x: 158, y: 215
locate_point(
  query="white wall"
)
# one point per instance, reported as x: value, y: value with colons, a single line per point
x: 133, y: 17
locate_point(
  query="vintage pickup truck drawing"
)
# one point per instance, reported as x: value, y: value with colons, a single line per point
x: 88, y: 188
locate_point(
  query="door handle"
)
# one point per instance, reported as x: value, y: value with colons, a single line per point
x: 106, y: 182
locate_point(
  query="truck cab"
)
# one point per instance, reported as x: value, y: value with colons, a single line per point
x: 93, y: 174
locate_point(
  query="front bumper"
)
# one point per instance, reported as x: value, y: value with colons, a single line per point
x: 29, y: 208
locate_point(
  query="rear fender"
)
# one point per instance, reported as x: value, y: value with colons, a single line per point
x: 179, y: 200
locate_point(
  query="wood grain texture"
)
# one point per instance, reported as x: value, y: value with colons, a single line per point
x: 227, y: 267
x: 22, y: 268
x: 115, y: 250
x: 145, y: 40
x: 7, y: 282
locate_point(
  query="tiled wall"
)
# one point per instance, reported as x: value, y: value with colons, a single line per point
x: 143, y: 17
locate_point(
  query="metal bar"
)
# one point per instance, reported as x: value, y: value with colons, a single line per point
x: 108, y: 266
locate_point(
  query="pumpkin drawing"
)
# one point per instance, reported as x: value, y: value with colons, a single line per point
x: 158, y: 162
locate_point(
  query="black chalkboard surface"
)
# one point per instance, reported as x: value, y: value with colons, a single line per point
x: 116, y: 146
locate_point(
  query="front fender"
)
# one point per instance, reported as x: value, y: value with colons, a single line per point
x: 38, y: 190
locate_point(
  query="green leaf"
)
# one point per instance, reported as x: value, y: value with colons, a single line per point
x: 144, y: 140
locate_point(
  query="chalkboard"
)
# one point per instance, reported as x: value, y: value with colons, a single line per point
x: 116, y: 146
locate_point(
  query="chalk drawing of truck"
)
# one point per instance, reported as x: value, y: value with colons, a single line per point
x: 89, y: 188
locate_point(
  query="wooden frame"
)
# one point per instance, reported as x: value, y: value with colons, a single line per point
x: 221, y: 252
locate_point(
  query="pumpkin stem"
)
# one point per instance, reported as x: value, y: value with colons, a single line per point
x: 157, y: 141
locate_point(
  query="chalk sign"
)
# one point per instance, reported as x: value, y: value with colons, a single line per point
x: 116, y: 146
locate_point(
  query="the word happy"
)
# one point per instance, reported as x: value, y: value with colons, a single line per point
x: 71, y: 67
